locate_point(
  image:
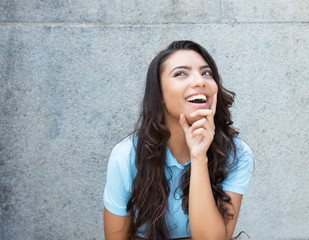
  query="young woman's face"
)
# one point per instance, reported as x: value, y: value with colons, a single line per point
x: 187, y: 85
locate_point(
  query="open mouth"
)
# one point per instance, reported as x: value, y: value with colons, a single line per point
x: 197, y: 99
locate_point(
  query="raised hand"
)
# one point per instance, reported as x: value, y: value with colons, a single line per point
x: 200, y: 134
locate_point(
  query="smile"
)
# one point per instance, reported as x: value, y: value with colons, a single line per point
x: 197, y: 99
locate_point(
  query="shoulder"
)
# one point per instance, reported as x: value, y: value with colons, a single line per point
x: 123, y: 156
x: 124, y: 149
x: 120, y: 173
x: 240, y: 168
x: 125, y: 145
x: 243, y: 151
x: 242, y: 157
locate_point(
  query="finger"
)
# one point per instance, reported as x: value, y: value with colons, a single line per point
x: 203, y: 133
x: 209, y: 123
x: 202, y: 123
x: 183, y: 122
x: 201, y: 113
x: 213, y: 105
x: 204, y: 113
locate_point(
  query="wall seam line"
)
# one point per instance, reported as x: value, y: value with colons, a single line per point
x: 72, y: 24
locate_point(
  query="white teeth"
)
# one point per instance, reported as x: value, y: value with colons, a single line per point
x: 197, y: 97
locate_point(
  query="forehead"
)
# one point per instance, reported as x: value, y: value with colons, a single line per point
x: 184, y: 58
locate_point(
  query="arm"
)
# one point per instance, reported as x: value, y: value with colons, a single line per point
x: 205, y: 219
x: 204, y: 216
x: 116, y: 227
x: 206, y: 222
x: 236, y: 202
x: 116, y: 193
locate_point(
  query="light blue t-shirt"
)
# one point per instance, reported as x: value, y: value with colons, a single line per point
x: 121, y: 171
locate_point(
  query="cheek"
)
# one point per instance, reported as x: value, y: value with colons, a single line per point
x: 214, y: 87
x: 171, y: 93
x: 165, y: 95
x: 170, y: 102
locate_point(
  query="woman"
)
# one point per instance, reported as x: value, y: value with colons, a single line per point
x: 183, y: 172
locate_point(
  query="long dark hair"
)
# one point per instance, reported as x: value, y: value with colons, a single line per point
x: 150, y: 190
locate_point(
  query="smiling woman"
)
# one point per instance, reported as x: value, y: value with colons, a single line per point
x: 183, y: 171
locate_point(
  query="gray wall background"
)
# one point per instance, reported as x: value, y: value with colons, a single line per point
x: 71, y: 80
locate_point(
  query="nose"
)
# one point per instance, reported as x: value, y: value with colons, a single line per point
x: 198, y: 81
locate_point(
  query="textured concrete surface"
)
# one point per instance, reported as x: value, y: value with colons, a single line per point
x: 71, y: 80
x: 115, y: 12
x: 265, y: 11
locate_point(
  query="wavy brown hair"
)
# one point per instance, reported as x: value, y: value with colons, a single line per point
x: 150, y: 190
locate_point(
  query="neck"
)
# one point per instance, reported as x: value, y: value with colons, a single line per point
x: 177, y: 143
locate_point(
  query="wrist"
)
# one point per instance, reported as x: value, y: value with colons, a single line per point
x: 199, y: 161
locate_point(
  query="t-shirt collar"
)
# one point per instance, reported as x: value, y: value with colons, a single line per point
x: 171, y: 161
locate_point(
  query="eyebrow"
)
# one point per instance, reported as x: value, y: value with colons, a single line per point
x: 189, y: 68
x: 205, y: 66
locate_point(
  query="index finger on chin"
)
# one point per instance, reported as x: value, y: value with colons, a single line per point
x: 201, y: 113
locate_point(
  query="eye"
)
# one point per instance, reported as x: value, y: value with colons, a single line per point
x: 179, y: 74
x: 207, y: 73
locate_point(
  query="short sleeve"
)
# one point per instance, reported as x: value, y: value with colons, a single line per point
x: 118, y: 181
x: 239, y: 176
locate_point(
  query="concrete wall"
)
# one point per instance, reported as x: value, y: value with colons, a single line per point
x: 71, y: 80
